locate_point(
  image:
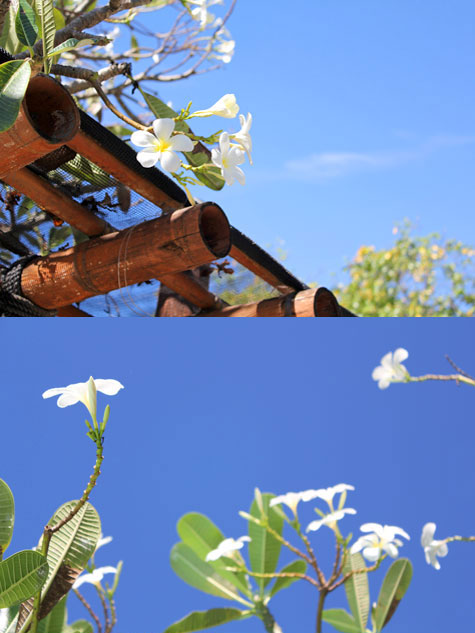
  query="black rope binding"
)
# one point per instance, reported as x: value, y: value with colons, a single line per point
x: 12, y: 301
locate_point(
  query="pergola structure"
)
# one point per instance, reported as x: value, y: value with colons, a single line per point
x: 130, y: 224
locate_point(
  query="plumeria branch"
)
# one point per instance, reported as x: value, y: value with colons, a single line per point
x: 89, y: 610
x: 444, y: 377
x: 274, y: 575
x: 353, y: 572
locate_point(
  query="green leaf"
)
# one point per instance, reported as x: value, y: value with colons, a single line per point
x: 9, y: 40
x: 395, y: 585
x: 7, y: 516
x: 80, y: 626
x: 202, y: 535
x: 297, y: 566
x: 83, y: 169
x: 211, y: 176
x: 200, y: 574
x: 357, y: 591
x: 55, y: 620
x: 14, y: 78
x: 341, y: 620
x: 25, y: 26
x: 199, y: 620
x: 8, y: 619
x: 21, y: 576
x: 264, y: 548
x: 58, y: 235
x: 69, y: 551
x: 69, y: 45
x: 44, y: 9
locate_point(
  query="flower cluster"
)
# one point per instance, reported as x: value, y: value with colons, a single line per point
x: 391, y: 369
x: 163, y: 144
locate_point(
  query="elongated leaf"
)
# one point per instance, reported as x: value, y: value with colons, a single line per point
x: 264, y: 548
x: 8, y: 619
x: 297, y: 566
x: 341, y: 620
x: 21, y: 576
x: 357, y: 590
x: 211, y: 177
x: 69, y: 550
x: 14, y: 78
x: 202, y: 535
x: 9, y: 40
x: 395, y: 585
x: 199, y: 620
x: 80, y: 626
x: 69, y: 45
x: 55, y: 620
x: 44, y: 9
x: 25, y: 26
x: 7, y: 516
x: 197, y: 573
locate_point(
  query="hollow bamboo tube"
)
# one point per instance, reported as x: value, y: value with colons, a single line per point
x: 183, y: 239
x: 71, y: 311
x: 54, y: 200
x: 91, y: 149
x: 314, y: 302
x: 48, y: 118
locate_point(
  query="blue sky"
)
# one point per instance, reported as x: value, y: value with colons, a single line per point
x: 362, y: 116
x: 210, y: 411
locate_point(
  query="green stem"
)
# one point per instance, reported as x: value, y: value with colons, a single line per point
x: 267, y: 618
x: 466, y: 539
x: 321, y: 602
x: 50, y: 530
x: 456, y: 377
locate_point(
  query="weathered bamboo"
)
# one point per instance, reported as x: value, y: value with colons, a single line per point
x: 71, y: 311
x: 48, y: 118
x: 314, y: 302
x: 184, y: 239
x: 91, y: 149
x: 54, y: 200
x: 187, y: 287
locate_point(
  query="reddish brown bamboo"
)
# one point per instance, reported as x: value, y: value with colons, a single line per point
x: 55, y: 201
x: 184, y: 239
x: 91, y: 149
x: 48, y: 118
x: 71, y: 311
x: 258, y: 270
x: 314, y: 302
x: 187, y: 287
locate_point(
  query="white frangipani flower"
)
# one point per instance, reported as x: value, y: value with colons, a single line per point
x: 381, y: 540
x: 432, y: 548
x: 329, y: 519
x: 327, y: 494
x: 201, y: 14
x: 292, y: 499
x: 95, y: 577
x: 225, y: 50
x: 112, y: 35
x: 227, y: 547
x: 227, y: 158
x: 80, y: 392
x: 225, y: 107
x: 161, y: 145
x: 391, y: 369
x: 243, y: 137
x: 103, y: 540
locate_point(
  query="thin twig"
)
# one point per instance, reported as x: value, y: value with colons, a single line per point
x: 90, y: 610
x: 460, y: 371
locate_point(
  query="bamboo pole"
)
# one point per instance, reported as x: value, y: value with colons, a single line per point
x: 71, y: 311
x: 48, y: 118
x: 314, y: 302
x: 171, y: 243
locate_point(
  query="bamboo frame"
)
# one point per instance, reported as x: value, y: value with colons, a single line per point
x: 48, y: 118
x: 171, y: 243
x: 314, y: 302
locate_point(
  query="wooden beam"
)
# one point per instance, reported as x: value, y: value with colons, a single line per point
x: 314, y: 302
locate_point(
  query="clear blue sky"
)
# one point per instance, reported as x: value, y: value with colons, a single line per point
x: 210, y: 411
x: 363, y: 115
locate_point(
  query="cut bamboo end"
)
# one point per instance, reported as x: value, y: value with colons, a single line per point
x: 172, y: 243
x: 48, y: 118
x: 314, y: 302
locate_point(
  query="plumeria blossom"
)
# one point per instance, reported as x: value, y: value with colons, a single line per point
x: 382, y: 539
x: 81, y: 392
x: 95, y: 577
x: 161, y: 145
x: 329, y: 519
x: 432, y: 548
x: 327, y: 494
x: 103, y: 540
x: 243, y: 137
x: 201, y: 14
x: 227, y: 547
x: 391, y: 369
x: 228, y: 158
x: 225, y: 107
x: 223, y: 50
x: 292, y: 499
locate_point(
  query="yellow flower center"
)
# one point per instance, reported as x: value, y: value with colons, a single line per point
x: 161, y: 145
